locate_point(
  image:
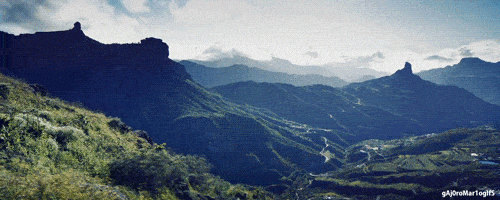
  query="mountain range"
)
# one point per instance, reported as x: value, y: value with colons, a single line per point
x: 344, y: 72
x: 307, y: 141
x: 479, y: 77
x: 211, y: 77
x: 381, y: 108
x: 148, y: 91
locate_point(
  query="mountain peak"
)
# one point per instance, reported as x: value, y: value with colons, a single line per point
x: 471, y: 60
x: 406, y: 70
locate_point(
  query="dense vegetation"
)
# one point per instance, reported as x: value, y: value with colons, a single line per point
x: 50, y: 149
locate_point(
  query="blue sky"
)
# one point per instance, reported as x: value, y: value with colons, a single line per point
x: 378, y: 34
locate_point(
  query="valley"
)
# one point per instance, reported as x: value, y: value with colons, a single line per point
x: 397, y: 136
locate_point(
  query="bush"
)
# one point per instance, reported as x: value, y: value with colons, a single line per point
x: 152, y: 169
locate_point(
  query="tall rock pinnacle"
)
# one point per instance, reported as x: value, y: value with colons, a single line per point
x: 406, y: 70
x: 77, y: 26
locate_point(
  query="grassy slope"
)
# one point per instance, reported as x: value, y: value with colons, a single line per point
x: 50, y: 149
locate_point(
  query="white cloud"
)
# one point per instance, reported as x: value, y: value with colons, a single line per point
x: 14, y: 29
x: 488, y: 50
x: 216, y: 52
x: 98, y: 19
x: 136, y: 6
x: 207, y: 12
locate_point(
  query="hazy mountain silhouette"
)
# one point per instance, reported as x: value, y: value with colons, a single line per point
x: 210, y: 77
x: 380, y: 108
x: 364, y: 78
x: 473, y: 74
x: 148, y: 91
x: 348, y: 73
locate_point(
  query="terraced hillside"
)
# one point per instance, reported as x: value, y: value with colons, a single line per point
x: 415, y: 167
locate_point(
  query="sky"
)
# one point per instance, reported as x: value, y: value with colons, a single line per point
x: 381, y: 35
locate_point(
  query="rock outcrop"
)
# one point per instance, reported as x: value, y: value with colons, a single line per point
x: 406, y: 70
x: 77, y: 26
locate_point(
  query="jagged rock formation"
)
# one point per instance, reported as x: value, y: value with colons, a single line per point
x: 406, y: 70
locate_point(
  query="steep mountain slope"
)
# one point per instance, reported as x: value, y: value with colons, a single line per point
x: 379, y: 108
x: 473, y: 74
x: 139, y: 83
x: 348, y: 73
x: 211, y: 77
x: 321, y: 106
x: 50, y: 149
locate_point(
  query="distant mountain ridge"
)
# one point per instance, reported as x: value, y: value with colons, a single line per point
x: 380, y: 108
x: 479, y: 77
x: 347, y: 73
x: 211, y: 77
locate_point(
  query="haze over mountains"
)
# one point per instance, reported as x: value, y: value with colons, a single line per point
x: 272, y: 134
x: 479, y: 77
x: 210, y: 77
x: 347, y: 73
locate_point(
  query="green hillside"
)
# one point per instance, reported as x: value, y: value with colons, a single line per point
x: 415, y: 168
x: 51, y: 149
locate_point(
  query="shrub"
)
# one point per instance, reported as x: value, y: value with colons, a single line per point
x: 154, y: 169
